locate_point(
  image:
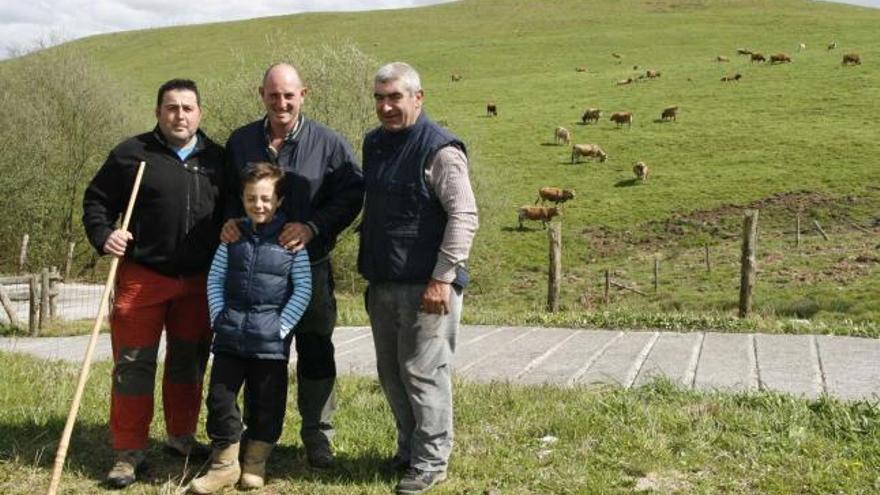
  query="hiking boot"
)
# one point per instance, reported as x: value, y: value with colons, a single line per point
x: 253, y: 467
x: 417, y: 481
x: 318, y: 454
x: 186, y: 446
x: 224, y: 471
x: 126, y: 468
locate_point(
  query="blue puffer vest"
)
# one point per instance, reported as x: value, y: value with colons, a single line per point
x: 403, y: 221
x: 257, y: 288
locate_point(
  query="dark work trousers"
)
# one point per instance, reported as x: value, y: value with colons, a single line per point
x: 265, y: 382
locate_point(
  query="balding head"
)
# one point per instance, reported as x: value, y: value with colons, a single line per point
x: 283, y: 94
x: 284, y: 71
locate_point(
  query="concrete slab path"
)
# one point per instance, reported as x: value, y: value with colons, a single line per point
x: 803, y: 365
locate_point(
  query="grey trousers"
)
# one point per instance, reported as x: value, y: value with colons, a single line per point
x: 414, y: 352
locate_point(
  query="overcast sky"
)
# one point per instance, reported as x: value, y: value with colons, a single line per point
x: 24, y: 23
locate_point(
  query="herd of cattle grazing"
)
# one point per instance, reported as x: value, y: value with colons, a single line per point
x: 592, y: 115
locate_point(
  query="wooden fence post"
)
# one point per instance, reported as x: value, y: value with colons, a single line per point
x: 44, y: 298
x: 747, y: 273
x: 656, y: 273
x: 68, y: 262
x: 10, y: 310
x: 607, y: 284
x: 33, y: 306
x: 22, y: 256
x: 54, y: 278
x: 819, y: 228
x: 797, y: 232
x: 706, y: 254
x: 554, y: 276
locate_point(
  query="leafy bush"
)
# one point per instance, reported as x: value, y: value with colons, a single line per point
x: 60, y: 115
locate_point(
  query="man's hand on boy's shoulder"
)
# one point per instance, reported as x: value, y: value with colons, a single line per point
x: 295, y: 236
x: 231, y: 231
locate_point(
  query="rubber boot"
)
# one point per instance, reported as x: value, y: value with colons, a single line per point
x: 253, y: 466
x: 224, y: 471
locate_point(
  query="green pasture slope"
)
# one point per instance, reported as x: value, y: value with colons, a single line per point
x: 787, y: 137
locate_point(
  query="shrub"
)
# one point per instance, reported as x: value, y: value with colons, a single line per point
x: 60, y: 115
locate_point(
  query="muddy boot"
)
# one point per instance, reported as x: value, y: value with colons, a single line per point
x: 253, y: 466
x: 126, y: 467
x: 224, y: 471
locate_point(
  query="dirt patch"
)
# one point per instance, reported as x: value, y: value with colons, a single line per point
x: 668, y: 482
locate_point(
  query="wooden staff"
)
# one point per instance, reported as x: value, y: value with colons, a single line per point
x: 61, y: 455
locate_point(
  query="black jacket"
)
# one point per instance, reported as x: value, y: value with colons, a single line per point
x: 325, y: 185
x: 178, y: 211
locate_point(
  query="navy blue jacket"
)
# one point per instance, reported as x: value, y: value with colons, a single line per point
x: 257, y: 287
x: 325, y: 185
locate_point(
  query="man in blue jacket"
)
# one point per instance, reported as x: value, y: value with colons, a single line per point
x: 324, y: 194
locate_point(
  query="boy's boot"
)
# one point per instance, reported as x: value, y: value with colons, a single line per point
x: 224, y: 471
x: 253, y: 466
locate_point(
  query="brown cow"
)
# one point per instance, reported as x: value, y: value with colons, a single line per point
x: 621, y: 118
x: 780, y: 58
x: 491, y: 110
x: 758, y: 57
x: 541, y: 213
x: 591, y: 115
x: 852, y: 59
x: 562, y: 134
x: 640, y: 169
x: 652, y: 74
x: 554, y: 195
x: 580, y: 68
x: 669, y: 113
x: 832, y: 45
x: 588, y: 150
x: 455, y: 77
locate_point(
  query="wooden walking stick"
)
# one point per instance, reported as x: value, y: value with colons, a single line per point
x: 61, y: 454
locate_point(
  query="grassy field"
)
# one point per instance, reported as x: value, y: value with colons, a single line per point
x: 789, y: 139
x: 510, y: 440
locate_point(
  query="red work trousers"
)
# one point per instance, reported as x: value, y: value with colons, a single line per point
x: 144, y: 304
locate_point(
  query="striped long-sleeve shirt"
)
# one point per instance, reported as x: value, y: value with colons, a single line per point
x: 300, y: 276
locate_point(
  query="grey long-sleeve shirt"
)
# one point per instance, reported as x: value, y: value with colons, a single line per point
x: 447, y: 176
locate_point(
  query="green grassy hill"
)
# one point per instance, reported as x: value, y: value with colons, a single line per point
x: 788, y: 138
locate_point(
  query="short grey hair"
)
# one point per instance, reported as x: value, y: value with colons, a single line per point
x: 399, y: 71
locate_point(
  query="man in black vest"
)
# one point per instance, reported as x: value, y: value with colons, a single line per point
x: 419, y: 221
x: 324, y: 194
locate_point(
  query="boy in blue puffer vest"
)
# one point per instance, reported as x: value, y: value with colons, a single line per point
x: 257, y: 293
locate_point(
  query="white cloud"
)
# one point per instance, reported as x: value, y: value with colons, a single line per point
x: 25, y: 24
